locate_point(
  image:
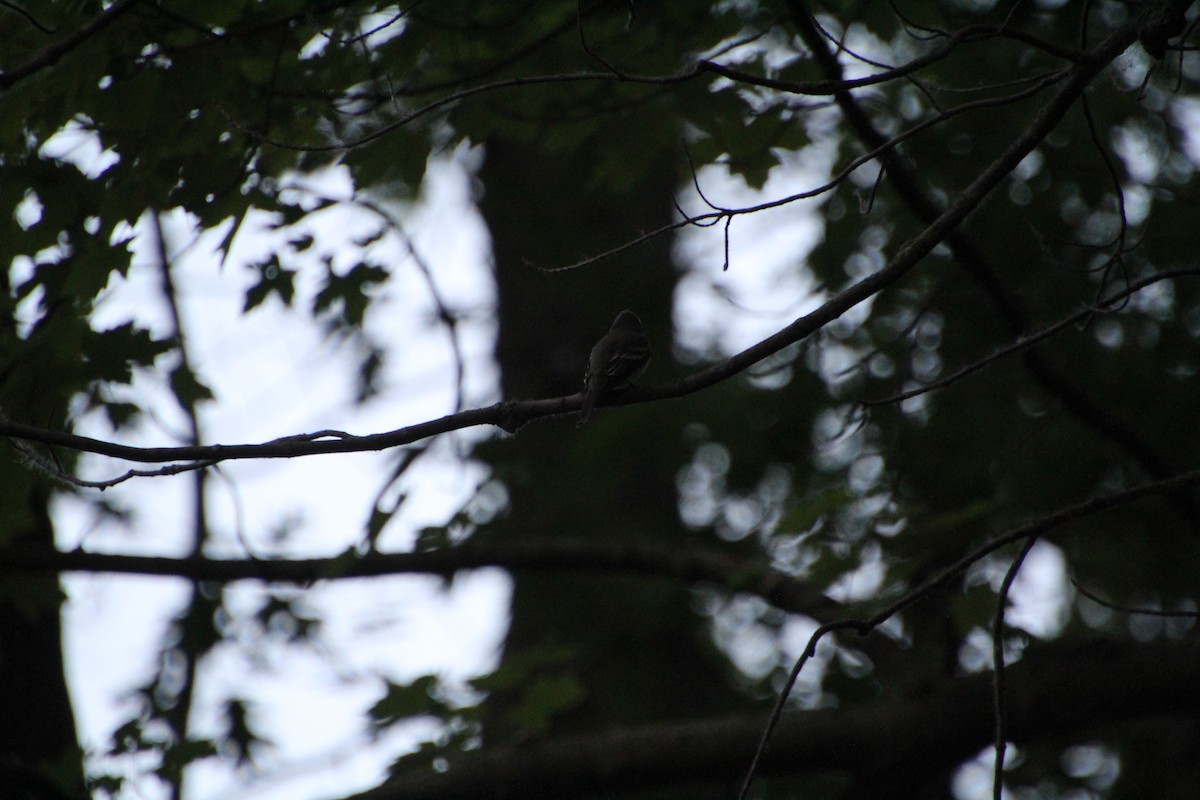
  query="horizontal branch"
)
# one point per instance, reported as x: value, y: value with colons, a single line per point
x: 509, y: 415
x: 1059, y: 690
x: 691, y: 565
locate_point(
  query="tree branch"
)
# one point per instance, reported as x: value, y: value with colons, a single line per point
x: 831, y: 86
x: 691, y: 565
x: 787, y: 592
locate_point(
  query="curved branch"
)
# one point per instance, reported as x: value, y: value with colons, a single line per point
x: 30, y: 18
x: 999, y: 682
x: 445, y: 315
x: 831, y: 86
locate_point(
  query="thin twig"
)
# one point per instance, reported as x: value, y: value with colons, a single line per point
x: 887, y: 146
x: 445, y: 315
x: 1000, y: 741
x: 30, y: 18
x: 1033, y: 340
x: 1150, y: 612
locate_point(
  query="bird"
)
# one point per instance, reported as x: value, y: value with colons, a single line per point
x: 616, y: 361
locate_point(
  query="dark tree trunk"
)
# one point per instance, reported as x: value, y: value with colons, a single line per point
x: 614, y: 478
x: 39, y: 752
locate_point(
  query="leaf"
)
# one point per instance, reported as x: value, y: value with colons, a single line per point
x: 369, y: 368
x: 187, y: 388
x: 833, y: 561
x: 301, y: 243
x: 274, y: 279
x: 370, y: 238
x: 120, y: 415
x: 346, y: 296
x: 518, y: 667
x: 548, y: 697
x: 403, y: 701
x: 395, y: 163
x: 112, y: 354
x: 807, y: 511
x: 176, y: 757
x: 280, y: 617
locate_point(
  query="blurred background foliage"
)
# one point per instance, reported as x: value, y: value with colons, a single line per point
x: 598, y: 122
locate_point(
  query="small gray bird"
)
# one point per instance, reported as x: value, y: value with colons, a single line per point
x: 616, y: 361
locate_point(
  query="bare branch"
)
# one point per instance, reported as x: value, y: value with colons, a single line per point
x: 30, y: 18
x: 883, y: 149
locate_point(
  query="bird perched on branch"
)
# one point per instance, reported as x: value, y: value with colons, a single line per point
x: 616, y: 361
